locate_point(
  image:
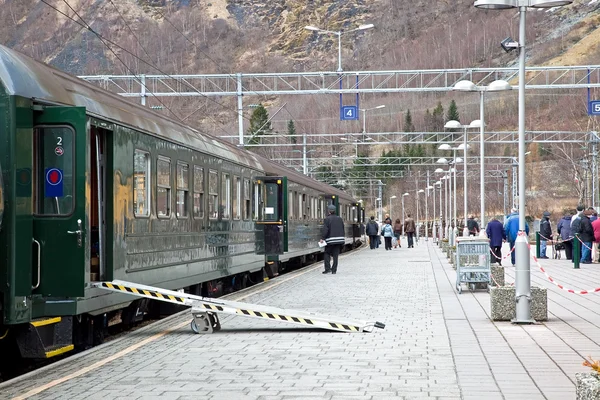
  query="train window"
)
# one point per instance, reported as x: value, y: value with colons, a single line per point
x: 247, y: 204
x: 257, y: 206
x: 213, y: 194
x: 300, y: 206
x: 55, y: 174
x: 183, y: 188
x: 226, y: 196
x: 163, y: 181
x: 291, y: 205
x: 304, y: 207
x: 237, y: 186
x: 198, y: 192
x: 141, y: 183
x: 314, y: 208
x: 321, y: 208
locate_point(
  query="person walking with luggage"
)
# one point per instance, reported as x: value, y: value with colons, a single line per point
x: 495, y: 232
x: 410, y: 229
x: 371, y: 231
x: 545, y: 233
x: 333, y: 234
x: 564, y: 230
x: 397, y: 232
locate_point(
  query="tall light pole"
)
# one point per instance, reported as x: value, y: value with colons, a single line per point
x: 439, y: 185
x: 418, y: 198
x: 433, y: 232
x: 495, y: 86
x: 393, y: 197
x: 403, y: 215
x: 522, y: 268
x: 364, y: 117
x: 454, y: 232
x: 464, y: 146
x: 339, y: 35
x: 380, y: 200
x: 447, y: 182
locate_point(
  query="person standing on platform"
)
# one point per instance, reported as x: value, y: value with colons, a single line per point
x: 596, y: 227
x: 495, y: 232
x: 512, y: 231
x: 586, y: 235
x: 371, y: 231
x: 387, y: 232
x: 397, y: 232
x: 410, y: 229
x: 545, y: 233
x: 333, y: 234
x: 472, y: 226
x: 564, y: 230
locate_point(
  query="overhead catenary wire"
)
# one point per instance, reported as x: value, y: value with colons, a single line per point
x: 106, y: 40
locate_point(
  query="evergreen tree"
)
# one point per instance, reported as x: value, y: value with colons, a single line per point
x: 292, y: 131
x: 428, y: 119
x: 438, y: 117
x: 408, y: 124
x: 452, y: 112
x: 259, y: 125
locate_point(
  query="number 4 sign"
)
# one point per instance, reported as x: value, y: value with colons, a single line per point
x: 349, y: 113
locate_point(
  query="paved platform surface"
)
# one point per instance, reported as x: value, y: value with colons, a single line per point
x: 436, y: 344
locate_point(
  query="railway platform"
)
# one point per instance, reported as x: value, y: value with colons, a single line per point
x: 436, y: 343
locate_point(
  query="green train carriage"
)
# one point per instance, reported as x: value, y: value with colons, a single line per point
x: 97, y: 188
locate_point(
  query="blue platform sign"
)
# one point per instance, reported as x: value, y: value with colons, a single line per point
x: 54, y: 182
x: 349, y: 113
x: 594, y: 107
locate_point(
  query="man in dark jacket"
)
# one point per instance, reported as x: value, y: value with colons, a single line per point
x: 495, y: 232
x: 333, y: 234
x: 545, y: 233
x: 371, y: 230
x: 472, y: 226
x: 410, y: 229
x: 586, y: 234
x: 564, y: 230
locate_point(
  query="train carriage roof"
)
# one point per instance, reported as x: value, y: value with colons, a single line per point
x: 23, y: 76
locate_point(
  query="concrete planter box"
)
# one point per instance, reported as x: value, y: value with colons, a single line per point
x: 497, y: 275
x: 588, y: 386
x: 503, y: 304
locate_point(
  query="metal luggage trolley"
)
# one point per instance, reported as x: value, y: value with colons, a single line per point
x: 472, y: 262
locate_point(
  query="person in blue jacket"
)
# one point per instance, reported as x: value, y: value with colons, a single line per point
x: 512, y: 231
x: 495, y: 232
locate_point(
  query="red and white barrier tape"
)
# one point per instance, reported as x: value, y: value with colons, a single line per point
x: 584, y: 245
x: 596, y: 290
x: 505, y: 257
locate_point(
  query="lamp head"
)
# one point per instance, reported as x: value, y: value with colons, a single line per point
x: 498, y: 86
x: 496, y: 4
x: 438, y: 171
x: 453, y: 124
x: 444, y: 146
x: 366, y: 26
x: 312, y: 28
x: 549, y: 3
x: 475, y: 123
x: 381, y: 106
x: 405, y: 194
x: 421, y: 191
x: 465, y: 86
x: 393, y: 197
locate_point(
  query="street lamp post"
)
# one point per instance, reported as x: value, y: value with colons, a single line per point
x: 464, y: 146
x: 339, y: 35
x: 433, y: 231
x: 418, y: 206
x: 453, y: 232
x: 522, y: 268
x: 393, y: 197
x: 364, y: 118
x: 403, y: 215
x: 439, y: 185
x: 495, y: 86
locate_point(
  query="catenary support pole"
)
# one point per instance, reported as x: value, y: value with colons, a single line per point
x: 240, y: 109
x: 522, y: 268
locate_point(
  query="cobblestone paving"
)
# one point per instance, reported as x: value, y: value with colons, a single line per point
x: 437, y: 344
x: 253, y: 359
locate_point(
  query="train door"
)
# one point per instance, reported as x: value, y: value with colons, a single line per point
x: 59, y: 221
x: 329, y: 200
x: 97, y: 242
x: 272, y: 213
x: 1, y: 198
